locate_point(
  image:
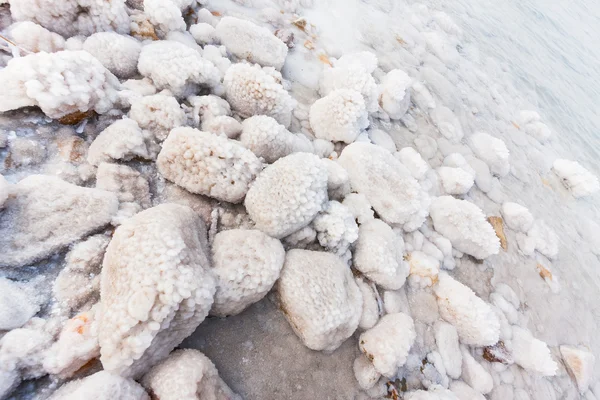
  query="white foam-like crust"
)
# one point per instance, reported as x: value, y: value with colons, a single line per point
x: 340, y: 116
x: 395, y: 93
x: 158, y: 113
x: 223, y: 125
x: 576, y: 178
x: 456, y: 180
x: 412, y: 160
x: 492, y: 151
x: 156, y: 287
x: 336, y: 228
x: 517, y: 217
x: 207, y: 164
x: 531, y: 353
x: 246, y: 264
x: 166, y: 15
x: 122, y: 140
x: 288, y: 194
x: 320, y: 299
x: 118, y: 53
x: 101, y: 386
x: 35, y: 38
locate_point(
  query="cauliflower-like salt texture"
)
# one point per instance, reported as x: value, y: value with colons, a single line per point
x: 122, y: 140
x: 359, y: 206
x: 129, y: 184
x: 387, y: 344
x: 207, y: 164
x: 465, y: 225
x: 252, y: 91
x: 251, y: 42
x: 339, y: 117
x: 166, y: 15
x: 118, y: 53
x: 288, y: 194
x: 73, y: 17
x: 531, y: 353
x: 204, y: 33
x: 379, y: 255
x: 319, y: 298
x: 47, y: 214
x: 187, y: 374
x: 474, y: 320
x: 456, y: 180
x: 208, y: 107
x: 413, y: 161
x: 223, y: 125
x: 388, y: 185
x: 492, y: 151
x: 424, y: 269
x: 270, y: 140
x: 158, y: 113
x: 59, y: 83
x: 35, y: 38
x: 336, y: 228
x: 174, y: 66
x: 338, y: 181
x: 395, y: 94
x: 156, y: 287
x: 577, y: 179
x: 246, y: 264
x: 517, y: 217
x: 101, y: 386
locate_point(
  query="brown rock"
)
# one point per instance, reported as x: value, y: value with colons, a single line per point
x: 498, y: 226
x: 498, y: 353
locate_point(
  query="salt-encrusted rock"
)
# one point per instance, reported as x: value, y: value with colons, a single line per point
x: 456, y: 180
x: 250, y: 90
x: 339, y: 117
x: 204, y: 33
x: 288, y: 194
x: 166, y: 16
x: 101, y: 386
x: 580, y: 364
x: 208, y: 107
x: 531, y: 353
x: 383, y: 139
x: 251, y: 42
x: 177, y: 67
x: 246, y: 264
x: 541, y: 238
x: 517, y: 217
x: 577, y: 179
x: 338, y: 181
x: 207, y: 164
x: 130, y: 185
x: 423, y: 269
x: 365, y: 372
x: 370, y: 307
x: 492, y: 151
x: 475, y: 375
x: 187, y: 374
x: 157, y: 113
x: 379, y: 255
x: 9, y: 380
x: 33, y: 37
x: 122, y: 140
x: 464, y: 224
x: 319, y: 298
x: 394, y: 194
x: 413, y: 162
x: 59, y: 83
x: 435, y: 392
x: 447, y: 123
x: 17, y: 306
x: 474, y: 320
x: 395, y: 94
x: 47, y: 214
x: 446, y: 338
x: 336, y: 228
x: 223, y: 125
x: 465, y: 392
x: 530, y: 122
x: 387, y: 344
x: 5, y: 190
x: 118, y: 53
x: 156, y: 287
x: 359, y: 206
x: 270, y: 140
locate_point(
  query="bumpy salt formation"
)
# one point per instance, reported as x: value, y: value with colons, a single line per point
x: 517, y: 217
x: 580, y: 364
x: 156, y: 287
x: 122, y: 140
x: 174, y: 66
x: 379, y: 255
x: 246, y: 264
x: 48, y: 214
x: 336, y: 228
x: 5, y: 190
x: 118, y: 53
x: 251, y: 42
x: 388, y: 185
x: 320, y: 299
x: 101, y: 386
x: 158, y: 113
x: 395, y: 94
x: 207, y: 164
x: 531, y: 353
x: 35, y: 38
x: 339, y: 117
x: 250, y: 90
x: 577, y: 179
x: 187, y: 374
x: 464, y: 224
x: 474, y: 319
x: 387, y: 344
x: 288, y: 194
x: 59, y: 83
x: 492, y: 151
x: 166, y: 15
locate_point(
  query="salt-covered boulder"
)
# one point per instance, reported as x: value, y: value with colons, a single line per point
x: 517, y: 217
x: 246, y: 264
x: 395, y: 93
x: 446, y: 338
x: 166, y: 15
x: 251, y: 42
x: 474, y: 320
x: 423, y: 269
x: 339, y: 117
x: 338, y: 181
x: 387, y: 344
x: 531, y: 353
x: 207, y: 164
x: 388, y: 185
x: 250, y: 90
x: 576, y: 178
x: 5, y: 190
x: 359, y: 206
x: 126, y: 182
x: 475, y: 375
x: 17, y: 306
x: 492, y: 151
x: 47, y: 214
x: 156, y: 287
x: 379, y: 255
x: 465, y: 225
x: 204, y: 33
x: 118, y: 53
x: 228, y: 126
x: 158, y: 113
x: 412, y: 160
x: 447, y: 123
x: 187, y: 374
x: 319, y: 298
x: 336, y: 228
x: 456, y: 180
x: 288, y: 194
x: 370, y: 307
x: 33, y: 37
x: 580, y: 364
x: 102, y: 386
x: 122, y: 140
x: 365, y: 372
